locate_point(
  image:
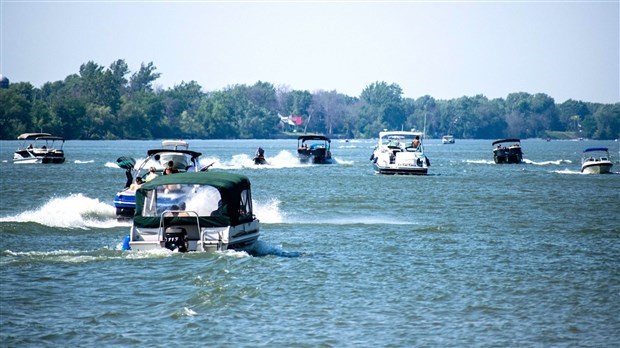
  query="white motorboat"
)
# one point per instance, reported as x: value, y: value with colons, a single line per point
x: 174, y: 154
x: 400, y: 152
x: 41, y: 148
x: 595, y: 160
x: 197, y: 211
x: 447, y: 139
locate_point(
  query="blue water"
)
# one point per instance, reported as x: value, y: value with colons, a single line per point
x: 474, y: 254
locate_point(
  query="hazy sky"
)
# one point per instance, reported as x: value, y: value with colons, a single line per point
x: 568, y: 50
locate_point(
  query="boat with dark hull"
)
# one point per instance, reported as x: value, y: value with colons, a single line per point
x: 194, y: 212
x: 259, y: 157
x: 315, y: 149
x: 41, y: 148
x: 173, y: 152
x: 507, y: 154
x: 595, y: 160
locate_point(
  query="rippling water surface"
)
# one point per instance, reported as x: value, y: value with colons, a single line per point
x: 474, y: 254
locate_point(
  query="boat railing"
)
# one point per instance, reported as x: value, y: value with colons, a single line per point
x: 168, y: 215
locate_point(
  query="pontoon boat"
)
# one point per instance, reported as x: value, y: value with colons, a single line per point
x: 201, y: 211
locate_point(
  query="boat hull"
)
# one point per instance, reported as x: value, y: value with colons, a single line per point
x: 260, y: 160
x: 318, y: 156
x: 125, y: 203
x: 597, y: 168
x: 24, y: 157
x: 401, y: 170
x: 186, y: 238
x: 507, y: 156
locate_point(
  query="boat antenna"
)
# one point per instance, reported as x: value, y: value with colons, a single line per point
x: 424, y: 130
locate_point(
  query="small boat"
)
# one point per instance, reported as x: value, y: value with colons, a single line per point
x: 196, y: 211
x: 447, y: 139
x: 40, y: 149
x: 174, y: 156
x: 259, y: 157
x: 314, y: 149
x: 400, y: 152
x: 595, y: 160
x: 507, y: 154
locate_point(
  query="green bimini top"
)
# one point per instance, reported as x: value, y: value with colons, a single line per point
x: 229, y: 185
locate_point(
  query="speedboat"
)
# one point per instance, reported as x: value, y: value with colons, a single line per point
x: 314, y: 149
x: 447, y: 139
x: 197, y: 211
x: 507, y: 154
x: 400, y: 152
x: 173, y: 154
x: 40, y: 149
x: 595, y: 160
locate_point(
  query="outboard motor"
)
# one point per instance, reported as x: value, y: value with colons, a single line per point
x: 175, y: 238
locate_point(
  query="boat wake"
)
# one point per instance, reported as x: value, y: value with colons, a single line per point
x: 284, y: 159
x: 479, y: 161
x: 73, y: 211
x: 545, y: 163
x: 566, y: 171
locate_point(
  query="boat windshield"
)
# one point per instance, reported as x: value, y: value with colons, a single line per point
x: 205, y: 200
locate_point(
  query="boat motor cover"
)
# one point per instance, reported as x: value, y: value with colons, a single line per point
x: 229, y: 185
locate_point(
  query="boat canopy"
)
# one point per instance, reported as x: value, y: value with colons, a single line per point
x: 590, y: 149
x: 400, y: 133
x: 233, y: 189
x: 313, y: 137
x: 506, y: 141
x: 175, y: 143
x: 194, y: 154
x: 36, y: 136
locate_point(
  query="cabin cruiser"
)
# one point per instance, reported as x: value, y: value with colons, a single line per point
x: 595, y: 160
x: 447, y: 139
x: 400, y: 152
x: 197, y: 211
x: 507, y: 154
x: 40, y: 149
x: 314, y: 149
x: 173, y: 157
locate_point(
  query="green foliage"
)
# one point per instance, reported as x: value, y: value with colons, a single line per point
x: 103, y: 103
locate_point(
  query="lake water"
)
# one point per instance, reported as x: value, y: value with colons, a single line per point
x: 474, y: 254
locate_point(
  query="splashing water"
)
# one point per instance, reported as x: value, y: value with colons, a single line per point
x: 268, y: 212
x: 74, y: 211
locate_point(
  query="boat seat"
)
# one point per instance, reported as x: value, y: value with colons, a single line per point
x: 175, y: 238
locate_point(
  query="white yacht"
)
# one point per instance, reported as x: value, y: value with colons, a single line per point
x: 595, y: 160
x: 400, y: 152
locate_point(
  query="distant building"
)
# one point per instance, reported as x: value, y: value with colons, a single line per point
x: 4, y: 82
x: 290, y: 123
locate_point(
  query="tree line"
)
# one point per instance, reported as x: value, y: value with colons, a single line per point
x: 113, y: 103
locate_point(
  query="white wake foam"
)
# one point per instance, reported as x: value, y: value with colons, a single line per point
x: 73, y: 211
x: 544, y: 163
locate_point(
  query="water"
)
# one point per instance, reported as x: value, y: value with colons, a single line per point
x: 474, y: 254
